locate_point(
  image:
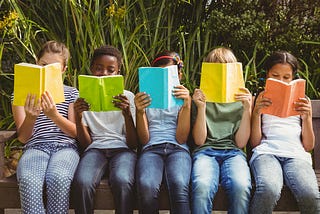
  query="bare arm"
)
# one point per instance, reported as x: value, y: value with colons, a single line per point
x: 83, y: 132
x: 141, y: 101
x: 303, y: 106
x: 131, y: 132
x: 243, y: 133
x: 67, y: 125
x: 183, y: 125
x: 25, y: 117
x: 256, y: 133
x: 199, y: 131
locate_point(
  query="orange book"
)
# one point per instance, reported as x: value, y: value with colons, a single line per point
x: 283, y: 95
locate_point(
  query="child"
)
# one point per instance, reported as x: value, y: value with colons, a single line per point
x: 281, y: 146
x: 220, y: 131
x: 163, y: 134
x: 108, y: 139
x: 50, y: 154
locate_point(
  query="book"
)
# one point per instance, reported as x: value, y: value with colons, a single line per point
x: 159, y: 82
x: 283, y: 95
x: 99, y: 91
x: 221, y: 81
x: 35, y: 79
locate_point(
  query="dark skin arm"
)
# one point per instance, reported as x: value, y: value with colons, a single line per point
x: 83, y: 132
x: 122, y: 102
x: 142, y: 101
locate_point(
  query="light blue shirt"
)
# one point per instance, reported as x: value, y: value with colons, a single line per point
x: 163, y: 126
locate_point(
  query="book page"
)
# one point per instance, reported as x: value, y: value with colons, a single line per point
x: 220, y: 81
x: 99, y: 91
x: 27, y: 80
x: 53, y: 83
x: 110, y: 86
x: 234, y: 80
x: 173, y: 80
x: 298, y: 91
x: 283, y: 96
x: 89, y: 89
x: 158, y: 82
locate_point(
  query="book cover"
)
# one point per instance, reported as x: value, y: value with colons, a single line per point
x: 99, y: 91
x: 159, y: 82
x: 221, y: 81
x: 283, y: 95
x: 36, y: 79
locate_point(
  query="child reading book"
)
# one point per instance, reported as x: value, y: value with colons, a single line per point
x: 281, y: 146
x: 99, y: 91
x: 159, y: 82
x: 283, y: 96
x: 221, y: 81
x: 165, y: 156
x: 50, y: 154
x: 108, y: 139
x: 220, y: 131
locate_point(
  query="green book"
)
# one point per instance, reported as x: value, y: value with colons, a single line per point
x: 99, y: 91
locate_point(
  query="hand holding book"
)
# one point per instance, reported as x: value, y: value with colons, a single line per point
x: 283, y: 97
x: 36, y: 79
x: 100, y: 91
x: 221, y: 81
x: 159, y: 83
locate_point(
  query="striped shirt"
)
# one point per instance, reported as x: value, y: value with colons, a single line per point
x: 45, y: 130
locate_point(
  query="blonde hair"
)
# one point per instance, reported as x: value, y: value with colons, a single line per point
x: 56, y: 48
x: 221, y: 55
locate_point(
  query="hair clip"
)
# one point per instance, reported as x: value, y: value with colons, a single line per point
x: 178, y: 60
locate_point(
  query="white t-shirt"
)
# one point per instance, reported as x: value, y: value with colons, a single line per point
x: 107, y: 129
x: 281, y: 137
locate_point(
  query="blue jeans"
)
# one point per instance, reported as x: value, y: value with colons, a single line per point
x: 167, y: 162
x: 120, y: 165
x: 270, y: 172
x: 228, y: 167
x: 51, y: 165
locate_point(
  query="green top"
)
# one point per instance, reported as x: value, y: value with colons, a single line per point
x: 223, y: 121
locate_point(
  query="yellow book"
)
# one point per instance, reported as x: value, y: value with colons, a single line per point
x: 36, y: 79
x: 221, y: 81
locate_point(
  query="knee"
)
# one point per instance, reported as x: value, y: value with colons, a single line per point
x: 147, y: 189
x: 122, y: 184
x: 308, y: 198
x: 269, y: 188
x: 82, y: 183
x: 58, y: 181
x: 30, y: 181
x: 201, y: 189
x: 242, y: 186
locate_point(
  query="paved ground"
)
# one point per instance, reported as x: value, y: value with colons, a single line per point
x: 16, y: 211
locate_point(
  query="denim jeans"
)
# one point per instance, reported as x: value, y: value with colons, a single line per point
x: 228, y: 167
x: 120, y: 165
x: 53, y: 166
x: 167, y: 162
x: 270, y: 172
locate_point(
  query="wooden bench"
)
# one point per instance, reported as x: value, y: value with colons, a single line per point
x: 9, y: 195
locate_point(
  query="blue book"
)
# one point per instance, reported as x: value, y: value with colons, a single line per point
x: 158, y: 83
